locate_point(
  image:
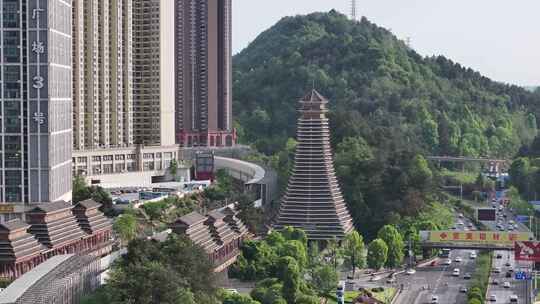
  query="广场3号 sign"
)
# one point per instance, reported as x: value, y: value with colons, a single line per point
x: 491, y: 237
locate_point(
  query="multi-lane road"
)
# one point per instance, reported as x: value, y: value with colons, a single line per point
x: 505, y: 266
x: 441, y: 281
x: 504, y: 261
x: 438, y: 281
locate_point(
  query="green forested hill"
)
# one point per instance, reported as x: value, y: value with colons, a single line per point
x: 387, y: 103
x: 379, y: 88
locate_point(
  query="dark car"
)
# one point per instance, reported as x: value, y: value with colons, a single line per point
x: 499, y: 256
x: 508, y: 274
x: 467, y: 276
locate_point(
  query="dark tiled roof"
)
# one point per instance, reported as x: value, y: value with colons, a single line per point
x: 16, y: 246
x: 216, y: 214
x: 192, y: 218
x: 314, y: 96
x: 14, y: 225
x: 89, y: 204
x: 54, y: 233
x: 51, y: 207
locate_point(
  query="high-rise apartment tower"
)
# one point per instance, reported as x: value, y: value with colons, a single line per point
x: 204, y: 73
x: 35, y: 129
x: 153, y: 73
x: 102, y: 74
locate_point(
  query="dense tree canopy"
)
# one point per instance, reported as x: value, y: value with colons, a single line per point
x: 388, y: 106
x: 377, y: 254
x: 172, y: 272
x: 394, y: 241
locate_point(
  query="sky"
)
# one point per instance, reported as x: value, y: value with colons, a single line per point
x: 498, y: 38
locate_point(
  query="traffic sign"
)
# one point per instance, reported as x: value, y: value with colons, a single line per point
x: 522, y: 218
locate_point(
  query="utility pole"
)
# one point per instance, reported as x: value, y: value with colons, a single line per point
x: 410, y: 253
x: 353, y: 10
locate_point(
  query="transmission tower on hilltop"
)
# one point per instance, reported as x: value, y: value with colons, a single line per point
x: 353, y: 10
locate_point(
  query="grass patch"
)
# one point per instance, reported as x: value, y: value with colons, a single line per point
x: 349, y: 297
x: 385, y: 296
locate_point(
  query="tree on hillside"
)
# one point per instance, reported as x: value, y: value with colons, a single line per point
x: 174, y: 271
x: 394, y: 241
x: 80, y: 190
x: 148, y: 283
x: 126, y: 227
x: 296, y: 250
x: 377, y: 254
x: 354, y: 250
x: 235, y: 298
x: 325, y: 280
x: 419, y: 172
x: 289, y: 273
x: 519, y: 172
x: 268, y: 291
x: 334, y: 252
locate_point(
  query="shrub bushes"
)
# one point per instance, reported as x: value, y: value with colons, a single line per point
x: 480, y: 279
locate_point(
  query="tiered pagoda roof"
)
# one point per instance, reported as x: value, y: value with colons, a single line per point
x: 313, y: 201
x: 16, y: 244
x: 221, y: 231
x: 54, y: 224
x: 234, y: 222
x: 193, y: 225
x: 89, y: 218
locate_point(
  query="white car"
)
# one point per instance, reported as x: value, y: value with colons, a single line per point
x: 411, y: 271
x: 447, y: 262
x: 472, y: 255
x: 497, y: 269
x: 513, y: 299
x: 434, y: 300
x: 506, y: 284
x: 231, y: 290
x: 493, y: 298
x: 458, y: 259
x: 455, y: 273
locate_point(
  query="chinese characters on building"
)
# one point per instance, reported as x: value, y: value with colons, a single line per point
x: 38, y: 47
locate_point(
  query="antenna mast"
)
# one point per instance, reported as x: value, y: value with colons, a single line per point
x: 353, y: 10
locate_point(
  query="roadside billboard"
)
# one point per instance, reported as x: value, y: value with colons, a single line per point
x: 527, y: 251
x: 486, y: 214
x: 480, y: 237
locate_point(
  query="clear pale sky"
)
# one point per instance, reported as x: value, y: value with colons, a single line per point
x: 499, y: 38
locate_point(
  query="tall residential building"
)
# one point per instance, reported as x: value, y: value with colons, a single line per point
x: 153, y: 72
x: 36, y: 133
x: 204, y: 73
x: 313, y: 201
x: 102, y: 74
